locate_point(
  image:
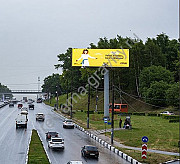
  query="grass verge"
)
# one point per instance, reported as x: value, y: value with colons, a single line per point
x: 36, y: 153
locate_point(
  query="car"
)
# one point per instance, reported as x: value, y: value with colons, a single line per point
x: 68, y: 123
x: 31, y: 106
x: 11, y: 104
x: 167, y: 112
x: 20, y: 105
x: 56, y: 143
x: 24, y: 110
x: 90, y: 151
x: 6, y: 101
x: 39, y: 100
x: 21, y: 121
x: 50, y: 134
x: 75, y: 162
x: 40, y: 117
x: 30, y: 101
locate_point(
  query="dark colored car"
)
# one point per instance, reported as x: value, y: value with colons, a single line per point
x: 31, y: 106
x: 90, y: 151
x: 51, y: 134
x: 11, y: 104
x: 39, y: 100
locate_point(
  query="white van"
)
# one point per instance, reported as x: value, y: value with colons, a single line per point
x: 21, y: 121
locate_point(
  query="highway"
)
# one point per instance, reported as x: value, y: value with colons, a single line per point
x: 14, y: 143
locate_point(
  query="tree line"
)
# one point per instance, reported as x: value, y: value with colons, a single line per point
x: 153, y: 74
x: 5, y: 89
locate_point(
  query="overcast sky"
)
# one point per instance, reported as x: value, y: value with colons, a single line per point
x: 34, y: 32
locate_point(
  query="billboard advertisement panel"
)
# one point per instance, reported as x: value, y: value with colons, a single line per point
x: 100, y: 57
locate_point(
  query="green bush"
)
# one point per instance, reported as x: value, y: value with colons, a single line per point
x: 90, y: 112
x: 170, y: 117
x: 174, y: 120
x: 139, y: 114
x: 152, y: 114
x: 100, y: 112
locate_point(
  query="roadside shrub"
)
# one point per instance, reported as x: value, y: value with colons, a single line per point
x: 90, y: 112
x: 170, y: 117
x: 174, y: 120
x: 152, y: 114
x: 100, y: 112
x: 139, y: 113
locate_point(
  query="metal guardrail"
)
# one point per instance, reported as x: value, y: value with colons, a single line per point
x: 23, y: 92
x: 2, y: 105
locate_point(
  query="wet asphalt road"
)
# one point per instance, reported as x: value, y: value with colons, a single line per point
x: 14, y: 143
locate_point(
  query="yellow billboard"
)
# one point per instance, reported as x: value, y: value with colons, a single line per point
x: 100, y: 57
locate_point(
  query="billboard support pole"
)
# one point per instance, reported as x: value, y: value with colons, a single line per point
x: 106, y: 94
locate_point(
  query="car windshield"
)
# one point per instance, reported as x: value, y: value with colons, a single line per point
x: 91, y: 148
x: 68, y: 120
x: 53, y: 133
x: 56, y: 140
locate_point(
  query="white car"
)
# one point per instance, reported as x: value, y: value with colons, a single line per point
x: 168, y: 113
x: 67, y: 123
x: 24, y: 110
x: 56, y: 143
x: 75, y: 162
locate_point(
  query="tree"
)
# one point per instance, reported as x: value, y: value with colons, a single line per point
x: 172, y: 95
x: 52, y: 84
x: 154, y: 74
x: 5, y: 89
x: 156, y: 94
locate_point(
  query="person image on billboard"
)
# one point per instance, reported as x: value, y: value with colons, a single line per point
x: 84, y: 57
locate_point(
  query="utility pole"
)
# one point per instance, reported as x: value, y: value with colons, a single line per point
x: 67, y: 92
x: 71, y: 93
x: 88, y: 106
x: 96, y: 99
x: 112, y: 118
x: 57, y: 97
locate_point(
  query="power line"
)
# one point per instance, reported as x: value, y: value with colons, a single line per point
x: 139, y: 100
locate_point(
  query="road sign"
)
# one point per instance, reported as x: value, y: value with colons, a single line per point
x: 144, y: 151
x: 105, y: 121
x: 145, y: 139
x: 144, y: 147
x: 109, y: 123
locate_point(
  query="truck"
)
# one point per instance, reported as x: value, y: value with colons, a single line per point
x: 25, y: 99
x: 21, y: 121
x: 120, y: 108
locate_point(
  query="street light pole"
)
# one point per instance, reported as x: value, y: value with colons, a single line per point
x: 112, y: 118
